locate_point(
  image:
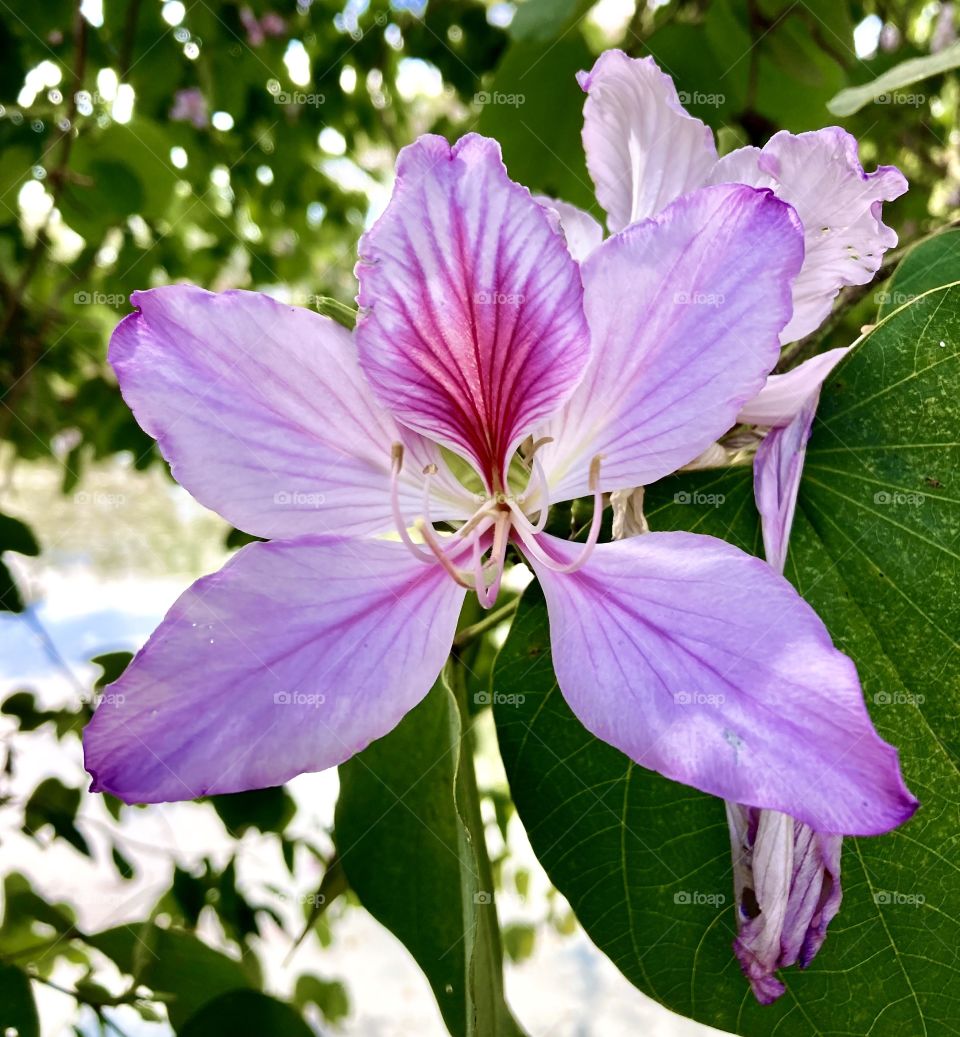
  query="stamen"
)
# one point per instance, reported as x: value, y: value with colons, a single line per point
x: 526, y: 531
x: 430, y: 536
x: 396, y: 455
x: 486, y: 596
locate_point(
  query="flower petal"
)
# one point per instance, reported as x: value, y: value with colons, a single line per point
x: 700, y: 662
x: 474, y: 326
x: 787, y: 884
x: 784, y: 395
x: 292, y: 658
x: 643, y: 150
x: 777, y: 470
x: 684, y: 313
x: 581, y: 231
x: 820, y: 175
x: 263, y: 413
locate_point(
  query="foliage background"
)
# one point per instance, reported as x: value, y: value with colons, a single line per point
x: 248, y: 145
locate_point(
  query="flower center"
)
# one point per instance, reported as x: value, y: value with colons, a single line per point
x: 488, y: 530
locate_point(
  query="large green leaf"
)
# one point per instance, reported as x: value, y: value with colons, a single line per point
x: 932, y: 263
x: 645, y: 862
x: 410, y: 839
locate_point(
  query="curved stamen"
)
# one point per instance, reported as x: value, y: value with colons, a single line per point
x: 541, y: 476
x: 432, y: 541
x: 498, y: 553
x: 527, y: 535
x: 396, y: 454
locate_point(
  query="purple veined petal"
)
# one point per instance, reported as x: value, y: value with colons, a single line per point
x: 784, y: 395
x: 684, y: 312
x: 787, y: 887
x: 292, y: 658
x: 581, y: 231
x: 700, y: 662
x: 473, y: 326
x: 820, y: 175
x: 263, y: 413
x: 643, y: 150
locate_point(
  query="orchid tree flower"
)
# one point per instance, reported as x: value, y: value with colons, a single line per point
x: 643, y: 152
x: 479, y: 333
x: 786, y: 873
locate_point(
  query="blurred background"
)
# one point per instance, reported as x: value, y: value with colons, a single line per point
x: 249, y: 145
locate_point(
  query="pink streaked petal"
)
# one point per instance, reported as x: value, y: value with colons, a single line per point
x: 580, y: 230
x: 262, y: 411
x: 684, y: 313
x: 784, y: 395
x: 473, y: 326
x: 700, y: 662
x: 643, y: 150
x: 820, y: 175
x: 292, y: 658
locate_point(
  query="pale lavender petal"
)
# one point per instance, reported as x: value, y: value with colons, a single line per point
x: 684, y: 313
x: 784, y: 395
x: 473, y: 325
x: 777, y: 469
x: 643, y: 150
x: 580, y: 230
x: 787, y: 886
x: 700, y: 662
x: 292, y: 658
x: 264, y: 415
x: 820, y: 175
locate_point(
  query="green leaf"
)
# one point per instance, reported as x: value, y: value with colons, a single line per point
x: 18, y: 1012
x: 410, y: 840
x: 329, y: 995
x: 266, y: 810
x: 542, y: 21
x: 913, y: 70
x: 14, y: 536
x: 534, y: 108
x: 52, y: 803
x: 645, y: 862
x: 245, y: 1013
x: 932, y: 263
x: 172, y: 962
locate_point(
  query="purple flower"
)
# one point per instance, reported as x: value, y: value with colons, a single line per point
x: 190, y: 105
x: 481, y: 334
x: 644, y: 150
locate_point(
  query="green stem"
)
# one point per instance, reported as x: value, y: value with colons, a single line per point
x: 493, y: 1018
x: 492, y: 619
